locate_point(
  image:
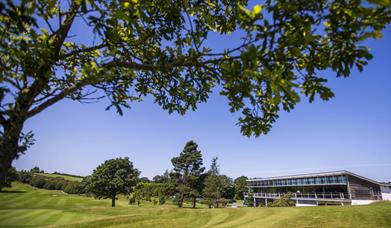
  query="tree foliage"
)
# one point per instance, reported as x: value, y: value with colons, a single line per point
x: 213, y: 186
x: 227, y: 187
x: 160, y: 48
x: 187, y: 173
x: 283, y: 201
x: 165, y: 178
x: 113, y: 177
x: 240, y: 187
x: 36, y: 170
x: 12, y: 175
x: 217, y: 188
x: 149, y: 190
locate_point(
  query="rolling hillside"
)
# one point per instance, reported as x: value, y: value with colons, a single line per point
x: 23, y: 205
x: 65, y: 176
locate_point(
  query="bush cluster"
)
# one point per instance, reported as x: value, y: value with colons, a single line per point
x: 284, y: 201
x: 52, y: 183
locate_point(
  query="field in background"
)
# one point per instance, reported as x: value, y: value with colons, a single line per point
x: 24, y: 205
x: 65, y: 176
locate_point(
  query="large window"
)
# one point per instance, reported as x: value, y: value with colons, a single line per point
x: 324, y: 180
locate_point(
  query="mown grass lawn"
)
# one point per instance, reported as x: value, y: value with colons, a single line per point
x: 22, y: 205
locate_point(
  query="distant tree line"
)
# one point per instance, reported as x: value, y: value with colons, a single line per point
x: 187, y: 182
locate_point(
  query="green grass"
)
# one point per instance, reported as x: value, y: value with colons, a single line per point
x: 23, y: 205
x: 66, y: 177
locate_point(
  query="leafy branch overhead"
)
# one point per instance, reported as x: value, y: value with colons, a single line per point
x: 160, y: 48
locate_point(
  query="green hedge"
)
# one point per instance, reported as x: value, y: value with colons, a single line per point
x: 52, y: 183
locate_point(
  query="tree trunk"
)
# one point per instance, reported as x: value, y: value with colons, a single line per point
x: 180, y: 204
x: 4, y: 167
x: 9, y: 147
x: 194, y: 202
x: 113, y: 201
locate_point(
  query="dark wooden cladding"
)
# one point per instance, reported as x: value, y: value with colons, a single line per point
x: 363, y: 190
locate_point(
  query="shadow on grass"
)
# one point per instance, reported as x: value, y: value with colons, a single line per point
x: 12, y: 191
x: 190, y: 207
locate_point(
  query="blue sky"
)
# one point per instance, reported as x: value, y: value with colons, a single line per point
x: 352, y: 131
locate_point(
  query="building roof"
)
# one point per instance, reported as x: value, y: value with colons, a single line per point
x: 331, y: 173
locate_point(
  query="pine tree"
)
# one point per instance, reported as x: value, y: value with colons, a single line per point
x: 187, y: 173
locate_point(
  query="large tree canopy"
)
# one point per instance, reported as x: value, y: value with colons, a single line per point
x: 113, y: 177
x: 159, y: 48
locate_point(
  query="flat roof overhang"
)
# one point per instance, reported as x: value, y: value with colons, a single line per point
x: 333, y: 173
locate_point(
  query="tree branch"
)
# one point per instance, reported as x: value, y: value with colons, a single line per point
x: 3, y: 121
x: 75, y: 52
x: 55, y: 99
x: 166, y: 66
x: 26, y: 98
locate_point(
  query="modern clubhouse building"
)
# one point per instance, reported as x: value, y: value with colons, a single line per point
x: 328, y: 188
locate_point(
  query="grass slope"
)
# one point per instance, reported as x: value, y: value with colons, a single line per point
x: 66, y: 177
x: 23, y: 205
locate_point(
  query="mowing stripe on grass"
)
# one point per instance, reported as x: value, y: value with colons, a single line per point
x: 23, y: 216
x: 60, y: 203
x: 9, y: 198
x: 49, y: 217
x: 66, y: 218
x: 4, y: 214
x: 43, y: 203
x: 27, y: 203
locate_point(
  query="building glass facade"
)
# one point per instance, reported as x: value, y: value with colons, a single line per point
x: 339, y: 187
x: 303, y: 181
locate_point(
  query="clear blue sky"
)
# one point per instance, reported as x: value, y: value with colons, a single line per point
x: 352, y: 131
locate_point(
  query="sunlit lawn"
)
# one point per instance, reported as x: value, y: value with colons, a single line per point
x: 70, y: 178
x: 24, y: 205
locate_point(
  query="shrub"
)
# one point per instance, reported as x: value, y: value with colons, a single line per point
x: 284, y: 201
x: 25, y: 177
x: 132, y: 199
x: 162, y: 200
x: 50, y: 185
x: 175, y: 199
x: 12, y: 175
x: 74, y: 188
x: 249, y: 202
x: 60, y: 184
x: 38, y: 181
x: 221, y: 202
